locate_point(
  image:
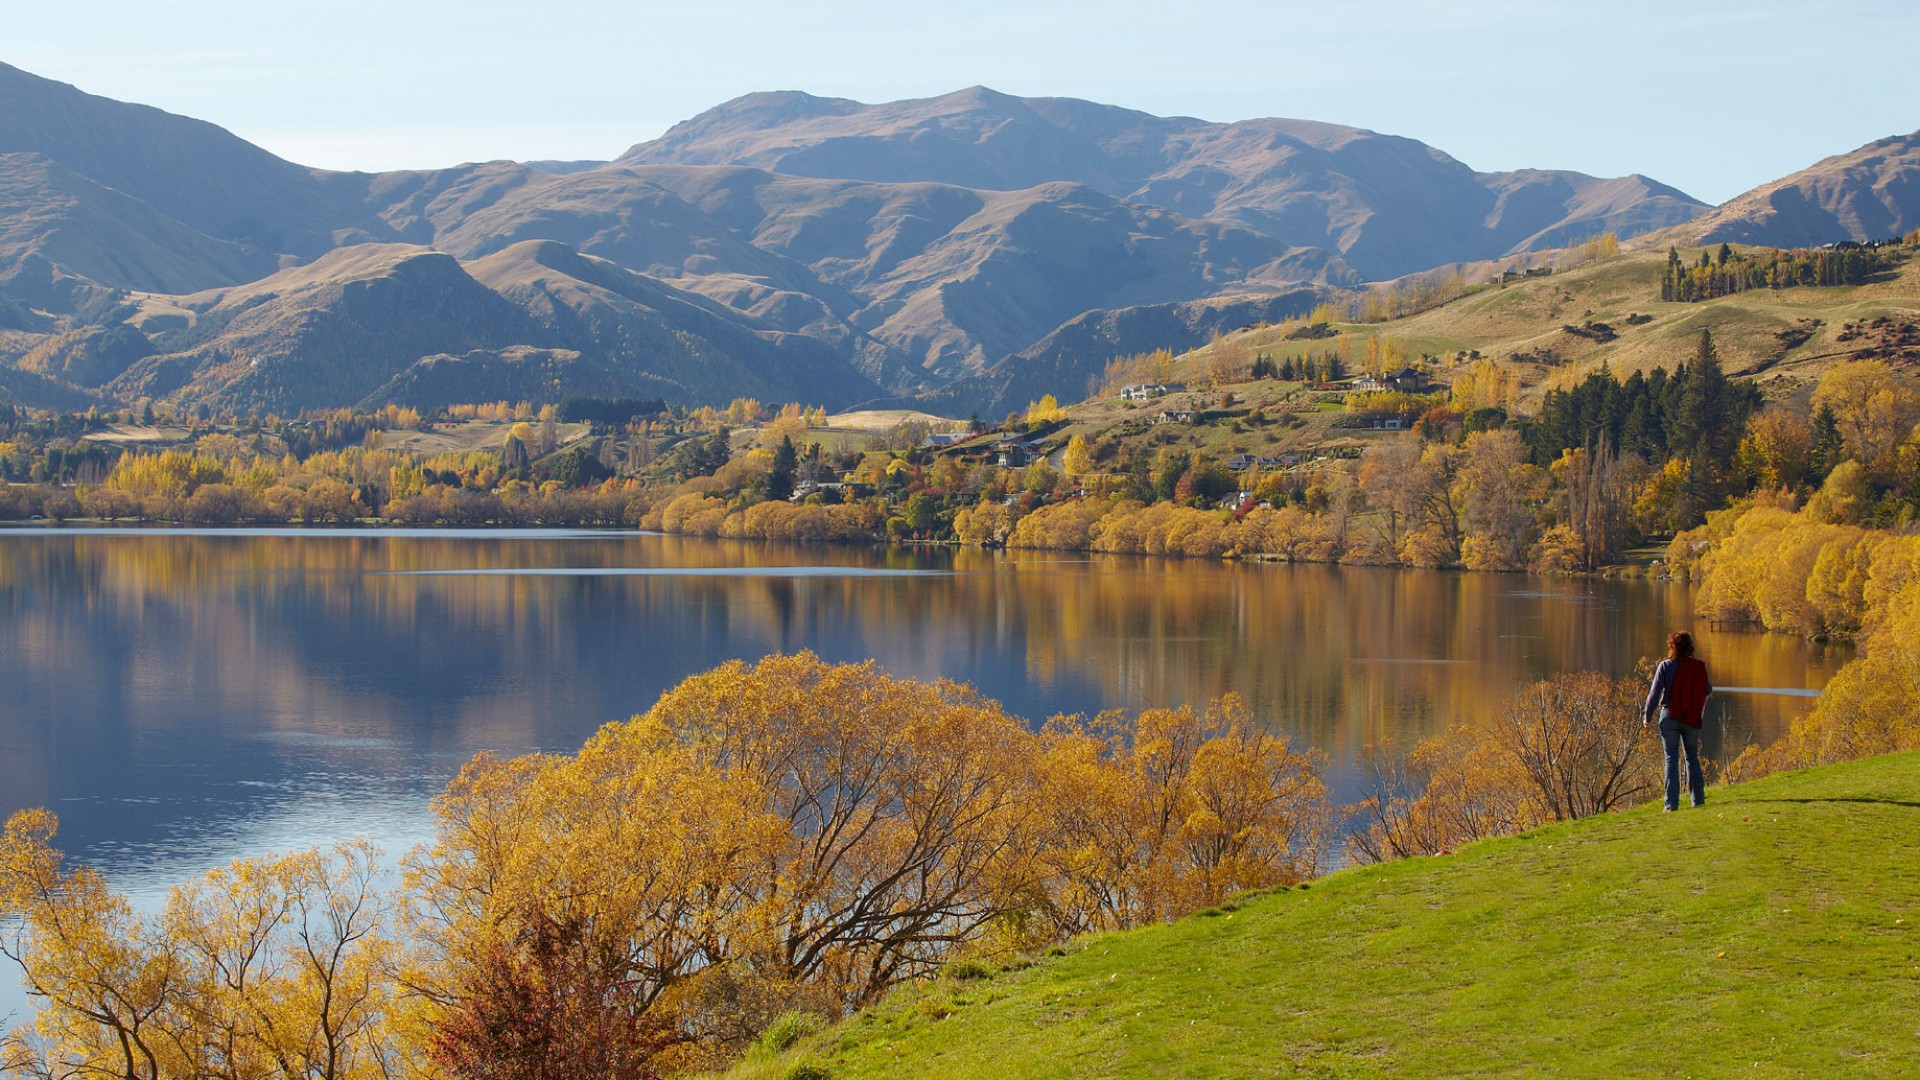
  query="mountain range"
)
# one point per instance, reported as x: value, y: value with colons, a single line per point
x: 971, y: 249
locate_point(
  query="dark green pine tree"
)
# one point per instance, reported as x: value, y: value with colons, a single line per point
x: 780, y: 477
x: 1640, y: 431
x: 1827, y: 448
x: 1140, y: 480
x: 1708, y: 426
x: 1703, y: 399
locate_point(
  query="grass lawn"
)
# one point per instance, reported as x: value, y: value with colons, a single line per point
x: 470, y: 435
x: 1770, y: 934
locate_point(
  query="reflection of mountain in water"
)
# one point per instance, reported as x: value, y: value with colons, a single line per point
x: 182, y: 699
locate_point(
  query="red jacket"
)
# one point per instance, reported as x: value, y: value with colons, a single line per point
x: 1680, y: 689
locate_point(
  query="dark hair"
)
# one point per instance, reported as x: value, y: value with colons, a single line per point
x: 1679, y: 645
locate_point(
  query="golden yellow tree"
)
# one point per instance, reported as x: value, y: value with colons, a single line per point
x: 268, y: 968
x: 769, y: 833
x: 1451, y: 789
x: 1077, y: 460
x: 1777, y: 448
x: 1045, y: 411
x: 1157, y: 816
x: 1875, y: 408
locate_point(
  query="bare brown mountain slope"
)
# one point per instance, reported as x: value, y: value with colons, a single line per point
x: 1387, y: 205
x: 1069, y: 362
x: 331, y: 331
x: 624, y: 216
x: 60, y: 230
x: 194, y: 172
x: 358, y: 324
x: 780, y: 245
x: 1872, y: 193
x: 957, y: 279
x: 662, y: 340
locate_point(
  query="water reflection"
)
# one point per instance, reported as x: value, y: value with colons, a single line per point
x: 181, y: 698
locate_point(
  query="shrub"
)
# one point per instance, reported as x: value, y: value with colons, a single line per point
x: 787, y: 1029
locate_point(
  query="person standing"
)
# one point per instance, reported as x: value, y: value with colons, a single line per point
x: 1679, y: 692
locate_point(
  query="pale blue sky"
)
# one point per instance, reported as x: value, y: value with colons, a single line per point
x: 1712, y: 97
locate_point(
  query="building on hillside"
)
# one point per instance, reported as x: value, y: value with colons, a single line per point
x: 1015, y: 451
x: 1149, y: 391
x: 1176, y: 416
x: 1243, y: 462
x: 1409, y: 381
x: 944, y: 440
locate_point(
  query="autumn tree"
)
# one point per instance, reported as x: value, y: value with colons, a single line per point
x: 1498, y: 488
x: 538, y: 1007
x: 1779, y: 449
x: 1873, y: 409
x: 1228, y: 359
x: 1872, y: 706
x: 1594, y: 507
x: 787, y: 824
x: 268, y: 968
x: 1570, y: 746
x: 1077, y: 460
x: 1577, y: 738
x: 1412, y: 487
x: 104, y: 980
x: 1155, y: 816
x: 1381, y: 480
x: 1045, y: 411
x: 1449, y: 790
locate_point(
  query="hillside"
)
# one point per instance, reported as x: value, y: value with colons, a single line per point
x: 379, y: 323
x: 963, y: 253
x: 1871, y: 193
x: 1066, y: 361
x: 1768, y: 935
x: 1784, y: 339
x: 196, y: 173
x: 1385, y: 204
x: 966, y: 246
x: 61, y: 232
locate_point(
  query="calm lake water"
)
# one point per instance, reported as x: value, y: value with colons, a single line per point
x: 181, y: 698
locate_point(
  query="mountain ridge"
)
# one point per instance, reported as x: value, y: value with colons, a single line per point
x: 1246, y: 173
x: 976, y: 245
x: 1868, y: 193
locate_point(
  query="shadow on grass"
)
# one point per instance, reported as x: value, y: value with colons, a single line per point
x: 1847, y: 798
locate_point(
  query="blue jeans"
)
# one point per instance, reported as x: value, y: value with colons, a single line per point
x: 1675, y: 736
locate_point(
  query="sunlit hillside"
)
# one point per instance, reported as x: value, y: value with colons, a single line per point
x: 1785, y: 338
x: 1767, y: 935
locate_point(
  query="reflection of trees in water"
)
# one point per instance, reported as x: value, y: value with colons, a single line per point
x: 332, y: 633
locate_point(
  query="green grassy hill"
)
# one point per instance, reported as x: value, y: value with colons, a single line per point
x: 1770, y: 934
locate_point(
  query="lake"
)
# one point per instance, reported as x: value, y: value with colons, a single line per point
x: 184, y: 697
